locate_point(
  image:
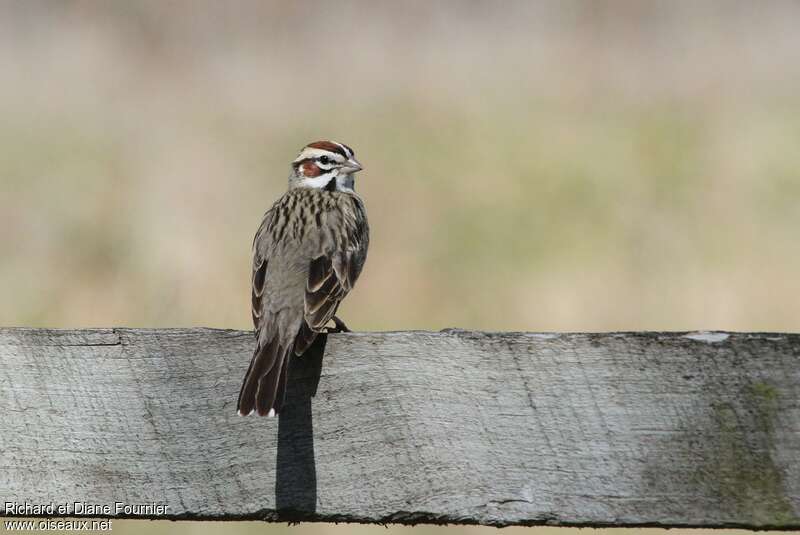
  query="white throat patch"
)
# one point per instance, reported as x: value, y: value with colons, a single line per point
x: 343, y: 183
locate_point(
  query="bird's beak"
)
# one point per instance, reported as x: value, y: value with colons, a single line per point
x: 350, y: 166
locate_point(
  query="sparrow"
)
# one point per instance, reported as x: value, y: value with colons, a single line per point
x: 307, y: 255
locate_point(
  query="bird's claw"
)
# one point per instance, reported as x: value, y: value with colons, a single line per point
x: 340, y: 327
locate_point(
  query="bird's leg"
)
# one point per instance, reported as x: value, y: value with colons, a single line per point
x: 340, y: 326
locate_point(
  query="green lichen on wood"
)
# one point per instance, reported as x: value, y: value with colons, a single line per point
x: 765, y: 391
x: 748, y: 478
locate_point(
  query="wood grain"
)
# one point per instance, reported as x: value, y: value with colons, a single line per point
x: 619, y: 429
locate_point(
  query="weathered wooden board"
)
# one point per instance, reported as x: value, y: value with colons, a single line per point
x: 668, y: 429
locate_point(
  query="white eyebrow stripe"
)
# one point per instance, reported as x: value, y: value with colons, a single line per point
x: 313, y: 154
x: 345, y: 149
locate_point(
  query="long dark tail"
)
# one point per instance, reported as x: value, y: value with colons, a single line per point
x: 264, y: 386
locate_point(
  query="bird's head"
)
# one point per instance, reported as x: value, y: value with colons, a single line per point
x: 325, y: 165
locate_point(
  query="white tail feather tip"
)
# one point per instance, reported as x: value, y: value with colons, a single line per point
x: 271, y: 413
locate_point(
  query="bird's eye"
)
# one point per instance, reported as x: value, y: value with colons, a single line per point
x: 324, y: 159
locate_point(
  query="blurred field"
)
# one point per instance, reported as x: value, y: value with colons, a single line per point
x: 556, y: 165
x: 552, y: 166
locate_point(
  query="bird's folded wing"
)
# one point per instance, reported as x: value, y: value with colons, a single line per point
x: 326, y: 287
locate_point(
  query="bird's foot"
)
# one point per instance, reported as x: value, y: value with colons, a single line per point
x: 339, y: 328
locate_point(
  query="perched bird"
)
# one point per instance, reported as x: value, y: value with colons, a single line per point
x: 307, y: 254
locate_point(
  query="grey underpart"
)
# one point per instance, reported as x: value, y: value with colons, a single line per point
x: 617, y: 429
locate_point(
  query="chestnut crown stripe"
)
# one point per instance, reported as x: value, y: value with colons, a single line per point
x: 338, y: 148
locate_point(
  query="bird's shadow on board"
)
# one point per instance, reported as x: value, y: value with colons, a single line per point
x: 296, y: 473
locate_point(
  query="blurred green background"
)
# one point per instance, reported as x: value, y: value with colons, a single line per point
x: 529, y: 166
x: 559, y: 165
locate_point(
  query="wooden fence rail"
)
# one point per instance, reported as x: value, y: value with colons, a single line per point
x: 618, y: 429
